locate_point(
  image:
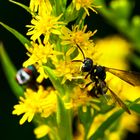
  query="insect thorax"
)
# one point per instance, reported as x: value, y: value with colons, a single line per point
x: 98, y: 72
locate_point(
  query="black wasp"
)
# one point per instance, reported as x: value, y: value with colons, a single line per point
x: 97, y: 75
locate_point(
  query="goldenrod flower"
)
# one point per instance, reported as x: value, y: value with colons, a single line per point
x: 34, y: 5
x: 54, y: 49
x: 112, y: 47
x: 38, y: 5
x: 114, y: 135
x: 132, y: 125
x: 86, y: 5
x: 42, y: 75
x: 44, y: 24
x: 127, y: 123
x: 39, y: 55
x: 79, y: 37
x: 41, y: 101
x: 67, y: 69
x: 79, y: 97
x: 97, y: 121
x: 49, y: 103
x: 41, y: 131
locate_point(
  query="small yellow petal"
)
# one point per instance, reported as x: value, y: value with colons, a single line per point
x: 41, y: 131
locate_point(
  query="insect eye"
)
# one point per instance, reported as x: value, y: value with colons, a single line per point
x: 87, y: 65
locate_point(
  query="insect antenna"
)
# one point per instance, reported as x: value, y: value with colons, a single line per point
x: 82, y: 54
x: 81, y: 51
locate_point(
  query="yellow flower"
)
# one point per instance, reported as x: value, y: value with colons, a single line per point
x: 42, y: 75
x: 44, y: 24
x: 66, y: 69
x: 85, y: 4
x: 112, y: 51
x: 78, y: 37
x: 49, y: 103
x: 41, y: 131
x: 39, y: 55
x: 114, y: 135
x: 132, y: 125
x: 41, y: 101
x: 34, y: 5
x: 98, y: 120
x: 79, y: 97
x: 127, y: 123
x: 37, y: 5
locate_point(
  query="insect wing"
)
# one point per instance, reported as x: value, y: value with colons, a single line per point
x: 130, y: 77
x: 119, y: 101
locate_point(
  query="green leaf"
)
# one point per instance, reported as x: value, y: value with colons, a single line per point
x: 99, y: 133
x: 71, y: 13
x: 18, y: 35
x: 64, y: 120
x: 135, y: 105
x: 136, y: 108
x: 56, y: 81
x: 23, y: 6
x: 58, y: 6
x: 10, y: 72
x: 86, y: 118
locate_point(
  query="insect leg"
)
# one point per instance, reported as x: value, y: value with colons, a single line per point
x: 87, y: 75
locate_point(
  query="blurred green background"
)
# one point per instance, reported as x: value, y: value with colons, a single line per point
x: 17, y: 18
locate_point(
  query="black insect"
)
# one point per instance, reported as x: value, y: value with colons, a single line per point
x: 27, y: 77
x: 97, y: 75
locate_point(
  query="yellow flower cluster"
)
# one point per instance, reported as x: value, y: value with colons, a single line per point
x: 79, y: 37
x: 41, y: 131
x: 79, y: 98
x: 55, y: 46
x: 50, y: 38
x: 39, y: 55
x: 42, y: 102
x: 86, y: 5
x: 44, y: 23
